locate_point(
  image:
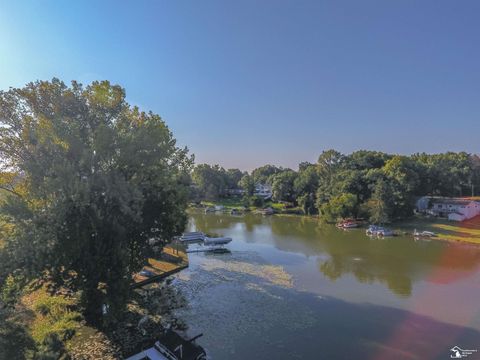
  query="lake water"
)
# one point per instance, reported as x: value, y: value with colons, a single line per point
x: 293, y: 288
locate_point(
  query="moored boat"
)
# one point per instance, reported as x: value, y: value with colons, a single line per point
x: 349, y: 224
x: 216, y: 240
x: 423, y: 234
x: 374, y: 230
x: 194, y: 236
x: 267, y: 211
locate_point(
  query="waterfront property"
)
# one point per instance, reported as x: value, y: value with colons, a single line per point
x: 455, y: 209
x: 263, y: 190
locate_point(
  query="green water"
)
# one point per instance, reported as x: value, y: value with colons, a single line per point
x: 293, y: 288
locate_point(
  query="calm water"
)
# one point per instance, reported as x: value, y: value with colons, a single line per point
x: 293, y: 288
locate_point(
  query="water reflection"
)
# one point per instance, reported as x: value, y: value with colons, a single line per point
x: 244, y: 315
x: 396, y: 263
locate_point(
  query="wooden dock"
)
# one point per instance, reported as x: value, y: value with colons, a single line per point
x: 173, y: 259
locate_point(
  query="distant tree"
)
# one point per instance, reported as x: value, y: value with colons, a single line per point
x: 233, y: 178
x: 341, y: 206
x: 447, y: 174
x: 95, y: 179
x: 211, y: 181
x: 329, y: 163
x: 475, y: 176
x: 247, y: 184
x: 263, y: 175
x: 283, y: 186
x: 307, y: 203
x: 380, y: 207
x: 402, y: 176
x: 305, y: 187
x: 304, y: 165
x: 366, y: 160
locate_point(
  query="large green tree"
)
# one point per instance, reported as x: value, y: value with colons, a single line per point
x: 283, y: 186
x: 264, y: 174
x: 211, y: 181
x: 95, y: 179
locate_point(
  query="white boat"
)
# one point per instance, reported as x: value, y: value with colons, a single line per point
x: 372, y: 230
x: 385, y: 232
x: 379, y: 231
x: 423, y: 233
x: 216, y: 241
x: 192, y: 236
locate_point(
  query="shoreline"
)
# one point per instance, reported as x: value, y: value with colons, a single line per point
x: 467, y: 232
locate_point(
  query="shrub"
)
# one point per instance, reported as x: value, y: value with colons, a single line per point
x: 12, y: 288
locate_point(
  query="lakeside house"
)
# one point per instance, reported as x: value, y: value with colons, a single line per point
x: 455, y: 209
x: 263, y: 190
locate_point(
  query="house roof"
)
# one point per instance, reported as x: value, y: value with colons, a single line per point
x: 171, y: 340
x: 451, y: 201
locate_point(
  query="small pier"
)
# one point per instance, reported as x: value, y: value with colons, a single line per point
x: 173, y: 259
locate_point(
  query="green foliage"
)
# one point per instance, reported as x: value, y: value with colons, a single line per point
x: 305, y: 187
x: 209, y: 180
x: 381, y: 206
x: 15, y: 342
x: 339, y: 207
x: 52, y: 348
x: 95, y: 180
x: 213, y: 182
x: 247, y: 184
x: 283, y: 186
x: 263, y: 175
x: 386, y: 186
x: 255, y: 201
x: 233, y: 178
x: 12, y: 288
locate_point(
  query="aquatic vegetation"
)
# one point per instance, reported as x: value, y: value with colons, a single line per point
x: 274, y: 274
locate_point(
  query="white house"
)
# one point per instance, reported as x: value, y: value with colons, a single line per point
x: 456, y: 209
x: 263, y: 190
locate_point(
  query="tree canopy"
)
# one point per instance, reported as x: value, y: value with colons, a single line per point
x: 92, y: 179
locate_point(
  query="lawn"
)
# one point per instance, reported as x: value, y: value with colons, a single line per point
x: 466, y: 231
x: 236, y: 202
x: 229, y: 203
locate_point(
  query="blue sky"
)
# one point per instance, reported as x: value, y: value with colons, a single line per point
x: 244, y: 83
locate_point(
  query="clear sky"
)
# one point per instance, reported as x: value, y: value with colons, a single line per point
x: 244, y: 83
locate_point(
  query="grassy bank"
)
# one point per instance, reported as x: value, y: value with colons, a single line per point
x: 237, y: 203
x: 465, y: 231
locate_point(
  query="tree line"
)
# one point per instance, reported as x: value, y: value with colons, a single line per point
x: 367, y: 184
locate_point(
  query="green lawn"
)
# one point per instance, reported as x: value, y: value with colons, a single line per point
x: 236, y: 202
x: 229, y: 203
x: 467, y: 231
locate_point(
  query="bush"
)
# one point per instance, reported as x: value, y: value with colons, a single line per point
x: 256, y: 201
x: 12, y: 289
x: 55, y: 316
